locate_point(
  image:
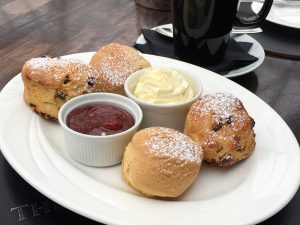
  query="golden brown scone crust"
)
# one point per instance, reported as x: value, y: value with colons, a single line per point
x: 222, y: 126
x: 161, y: 162
x: 114, y: 63
x: 50, y: 82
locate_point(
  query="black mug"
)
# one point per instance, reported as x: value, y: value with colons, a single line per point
x: 201, y: 28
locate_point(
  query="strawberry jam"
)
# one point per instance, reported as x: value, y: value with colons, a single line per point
x: 99, y: 119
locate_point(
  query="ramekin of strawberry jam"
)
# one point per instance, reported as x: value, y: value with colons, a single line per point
x: 99, y: 119
x: 97, y: 127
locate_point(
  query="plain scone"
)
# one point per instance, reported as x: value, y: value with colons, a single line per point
x: 114, y: 63
x: 161, y: 162
x: 50, y: 82
x: 221, y: 125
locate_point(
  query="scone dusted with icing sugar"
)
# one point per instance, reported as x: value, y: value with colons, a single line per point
x: 50, y: 82
x: 161, y: 162
x: 114, y: 63
x: 222, y: 126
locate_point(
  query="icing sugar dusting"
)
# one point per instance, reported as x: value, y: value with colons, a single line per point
x: 220, y: 104
x: 225, y: 109
x: 46, y: 63
x: 53, y: 67
x: 117, y: 67
x: 171, y: 143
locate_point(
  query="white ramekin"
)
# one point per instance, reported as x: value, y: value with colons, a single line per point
x: 165, y: 115
x: 99, y: 151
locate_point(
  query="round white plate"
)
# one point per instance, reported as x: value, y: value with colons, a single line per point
x: 283, y: 14
x: 247, y: 193
x: 256, y: 50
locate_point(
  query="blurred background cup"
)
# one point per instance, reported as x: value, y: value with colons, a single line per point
x: 201, y: 28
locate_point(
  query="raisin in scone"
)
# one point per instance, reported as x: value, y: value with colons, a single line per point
x: 220, y: 124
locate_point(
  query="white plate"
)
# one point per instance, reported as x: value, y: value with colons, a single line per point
x: 247, y: 193
x: 256, y: 50
x: 283, y: 14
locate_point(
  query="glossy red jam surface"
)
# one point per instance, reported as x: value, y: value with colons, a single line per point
x: 99, y: 119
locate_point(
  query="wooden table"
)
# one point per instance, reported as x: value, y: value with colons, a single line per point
x: 31, y: 28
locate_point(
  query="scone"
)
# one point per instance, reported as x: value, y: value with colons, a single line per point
x: 114, y: 63
x: 222, y: 126
x: 161, y: 162
x: 50, y: 82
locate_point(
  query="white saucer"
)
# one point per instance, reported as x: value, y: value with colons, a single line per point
x: 256, y: 50
x: 283, y: 14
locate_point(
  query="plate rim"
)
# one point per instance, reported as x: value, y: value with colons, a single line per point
x: 9, y: 158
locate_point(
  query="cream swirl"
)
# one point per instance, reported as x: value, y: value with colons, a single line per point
x: 163, y: 86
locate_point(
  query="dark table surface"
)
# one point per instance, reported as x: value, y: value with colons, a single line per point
x: 52, y: 27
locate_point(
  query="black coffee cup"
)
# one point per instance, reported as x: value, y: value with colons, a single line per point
x: 201, y: 28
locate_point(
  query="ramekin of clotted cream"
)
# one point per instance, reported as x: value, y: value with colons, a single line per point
x: 163, y: 86
x: 164, y: 95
